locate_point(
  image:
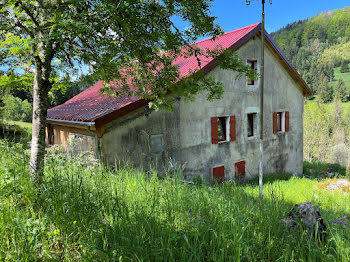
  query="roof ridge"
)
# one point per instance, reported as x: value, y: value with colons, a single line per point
x: 236, y: 30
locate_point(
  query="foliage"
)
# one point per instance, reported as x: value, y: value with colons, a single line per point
x: 344, y: 67
x: 93, y: 213
x: 18, y: 132
x: 340, y: 91
x: 108, y: 36
x: 16, y: 109
x: 324, y: 91
x: 317, y: 45
x: 17, y: 85
x: 326, y: 132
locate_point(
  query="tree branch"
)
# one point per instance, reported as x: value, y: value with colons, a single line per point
x: 20, y: 25
x: 30, y: 14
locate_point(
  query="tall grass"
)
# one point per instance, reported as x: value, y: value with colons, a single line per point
x: 87, y: 212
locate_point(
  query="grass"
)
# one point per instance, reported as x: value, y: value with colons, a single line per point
x: 344, y: 76
x: 20, y: 124
x: 91, y: 213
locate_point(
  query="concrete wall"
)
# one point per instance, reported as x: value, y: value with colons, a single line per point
x: 143, y: 138
x: 183, y: 137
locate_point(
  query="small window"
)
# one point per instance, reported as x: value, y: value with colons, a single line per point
x: 280, y: 122
x: 251, y: 124
x: 219, y: 174
x: 280, y: 119
x: 253, y: 65
x: 156, y: 144
x: 240, y: 169
x: 222, y: 128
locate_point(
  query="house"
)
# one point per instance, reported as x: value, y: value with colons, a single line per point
x: 217, y: 139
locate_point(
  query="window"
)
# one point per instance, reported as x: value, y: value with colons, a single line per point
x: 219, y: 174
x: 280, y: 119
x: 223, y: 129
x: 251, y: 124
x: 280, y: 122
x: 253, y: 65
x: 240, y: 169
x: 156, y: 144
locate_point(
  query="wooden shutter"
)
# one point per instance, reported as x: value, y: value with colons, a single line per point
x: 214, y: 130
x: 240, y: 169
x: 287, y: 121
x: 219, y: 174
x: 275, y: 122
x: 232, y: 128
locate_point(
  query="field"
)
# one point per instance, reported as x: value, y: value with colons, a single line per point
x: 86, y: 212
x: 344, y: 76
x: 20, y: 124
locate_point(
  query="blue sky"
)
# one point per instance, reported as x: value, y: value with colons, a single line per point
x: 233, y: 14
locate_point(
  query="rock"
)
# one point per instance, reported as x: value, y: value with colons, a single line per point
x: 308, y: 217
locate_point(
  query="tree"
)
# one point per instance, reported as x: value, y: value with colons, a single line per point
x: 344, y: 66
x: 340, y: 91
x: 324, y: 91
x: 118, y: 39
x: 12, y: 108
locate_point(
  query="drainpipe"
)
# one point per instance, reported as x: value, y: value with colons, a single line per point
x: 97, y: 148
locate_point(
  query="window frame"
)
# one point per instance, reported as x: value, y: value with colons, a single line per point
x: 223, y: 129
x: 254, y: 127
x: 280, y: 121
x: 253, y: 65
x: 224, y: 120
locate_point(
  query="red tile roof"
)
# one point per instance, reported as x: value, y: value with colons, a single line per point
x: 90, y: 105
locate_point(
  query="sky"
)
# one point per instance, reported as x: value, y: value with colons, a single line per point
x: 233, y: 14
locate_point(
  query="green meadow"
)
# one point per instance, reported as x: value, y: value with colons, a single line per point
x: 84, y: 212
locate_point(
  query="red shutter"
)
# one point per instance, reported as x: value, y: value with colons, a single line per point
x: 214, y: 130
x: 240, y: 169
x: 232, y: 128
x: 287, y: 121
x: 275, y: 122
x: 219, y: 174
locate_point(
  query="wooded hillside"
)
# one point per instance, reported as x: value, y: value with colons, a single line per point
x: 318, y: 47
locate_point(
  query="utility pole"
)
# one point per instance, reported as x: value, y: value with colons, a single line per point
x: 261, y: 146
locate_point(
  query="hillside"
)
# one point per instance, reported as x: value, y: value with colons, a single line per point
x: 319, y: 48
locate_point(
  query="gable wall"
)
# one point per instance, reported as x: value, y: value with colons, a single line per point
x: 283, y: 152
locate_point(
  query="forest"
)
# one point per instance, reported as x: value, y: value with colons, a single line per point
x: 319, y: 48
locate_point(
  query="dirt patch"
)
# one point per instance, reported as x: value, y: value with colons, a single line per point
x: 336, y: 184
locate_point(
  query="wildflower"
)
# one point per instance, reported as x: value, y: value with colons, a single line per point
x: 56, y: 232
x: 74, y: 222
x: 192, y: 220
x: 200, y: 218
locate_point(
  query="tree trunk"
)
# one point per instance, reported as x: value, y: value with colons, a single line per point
x: 37, y: 153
